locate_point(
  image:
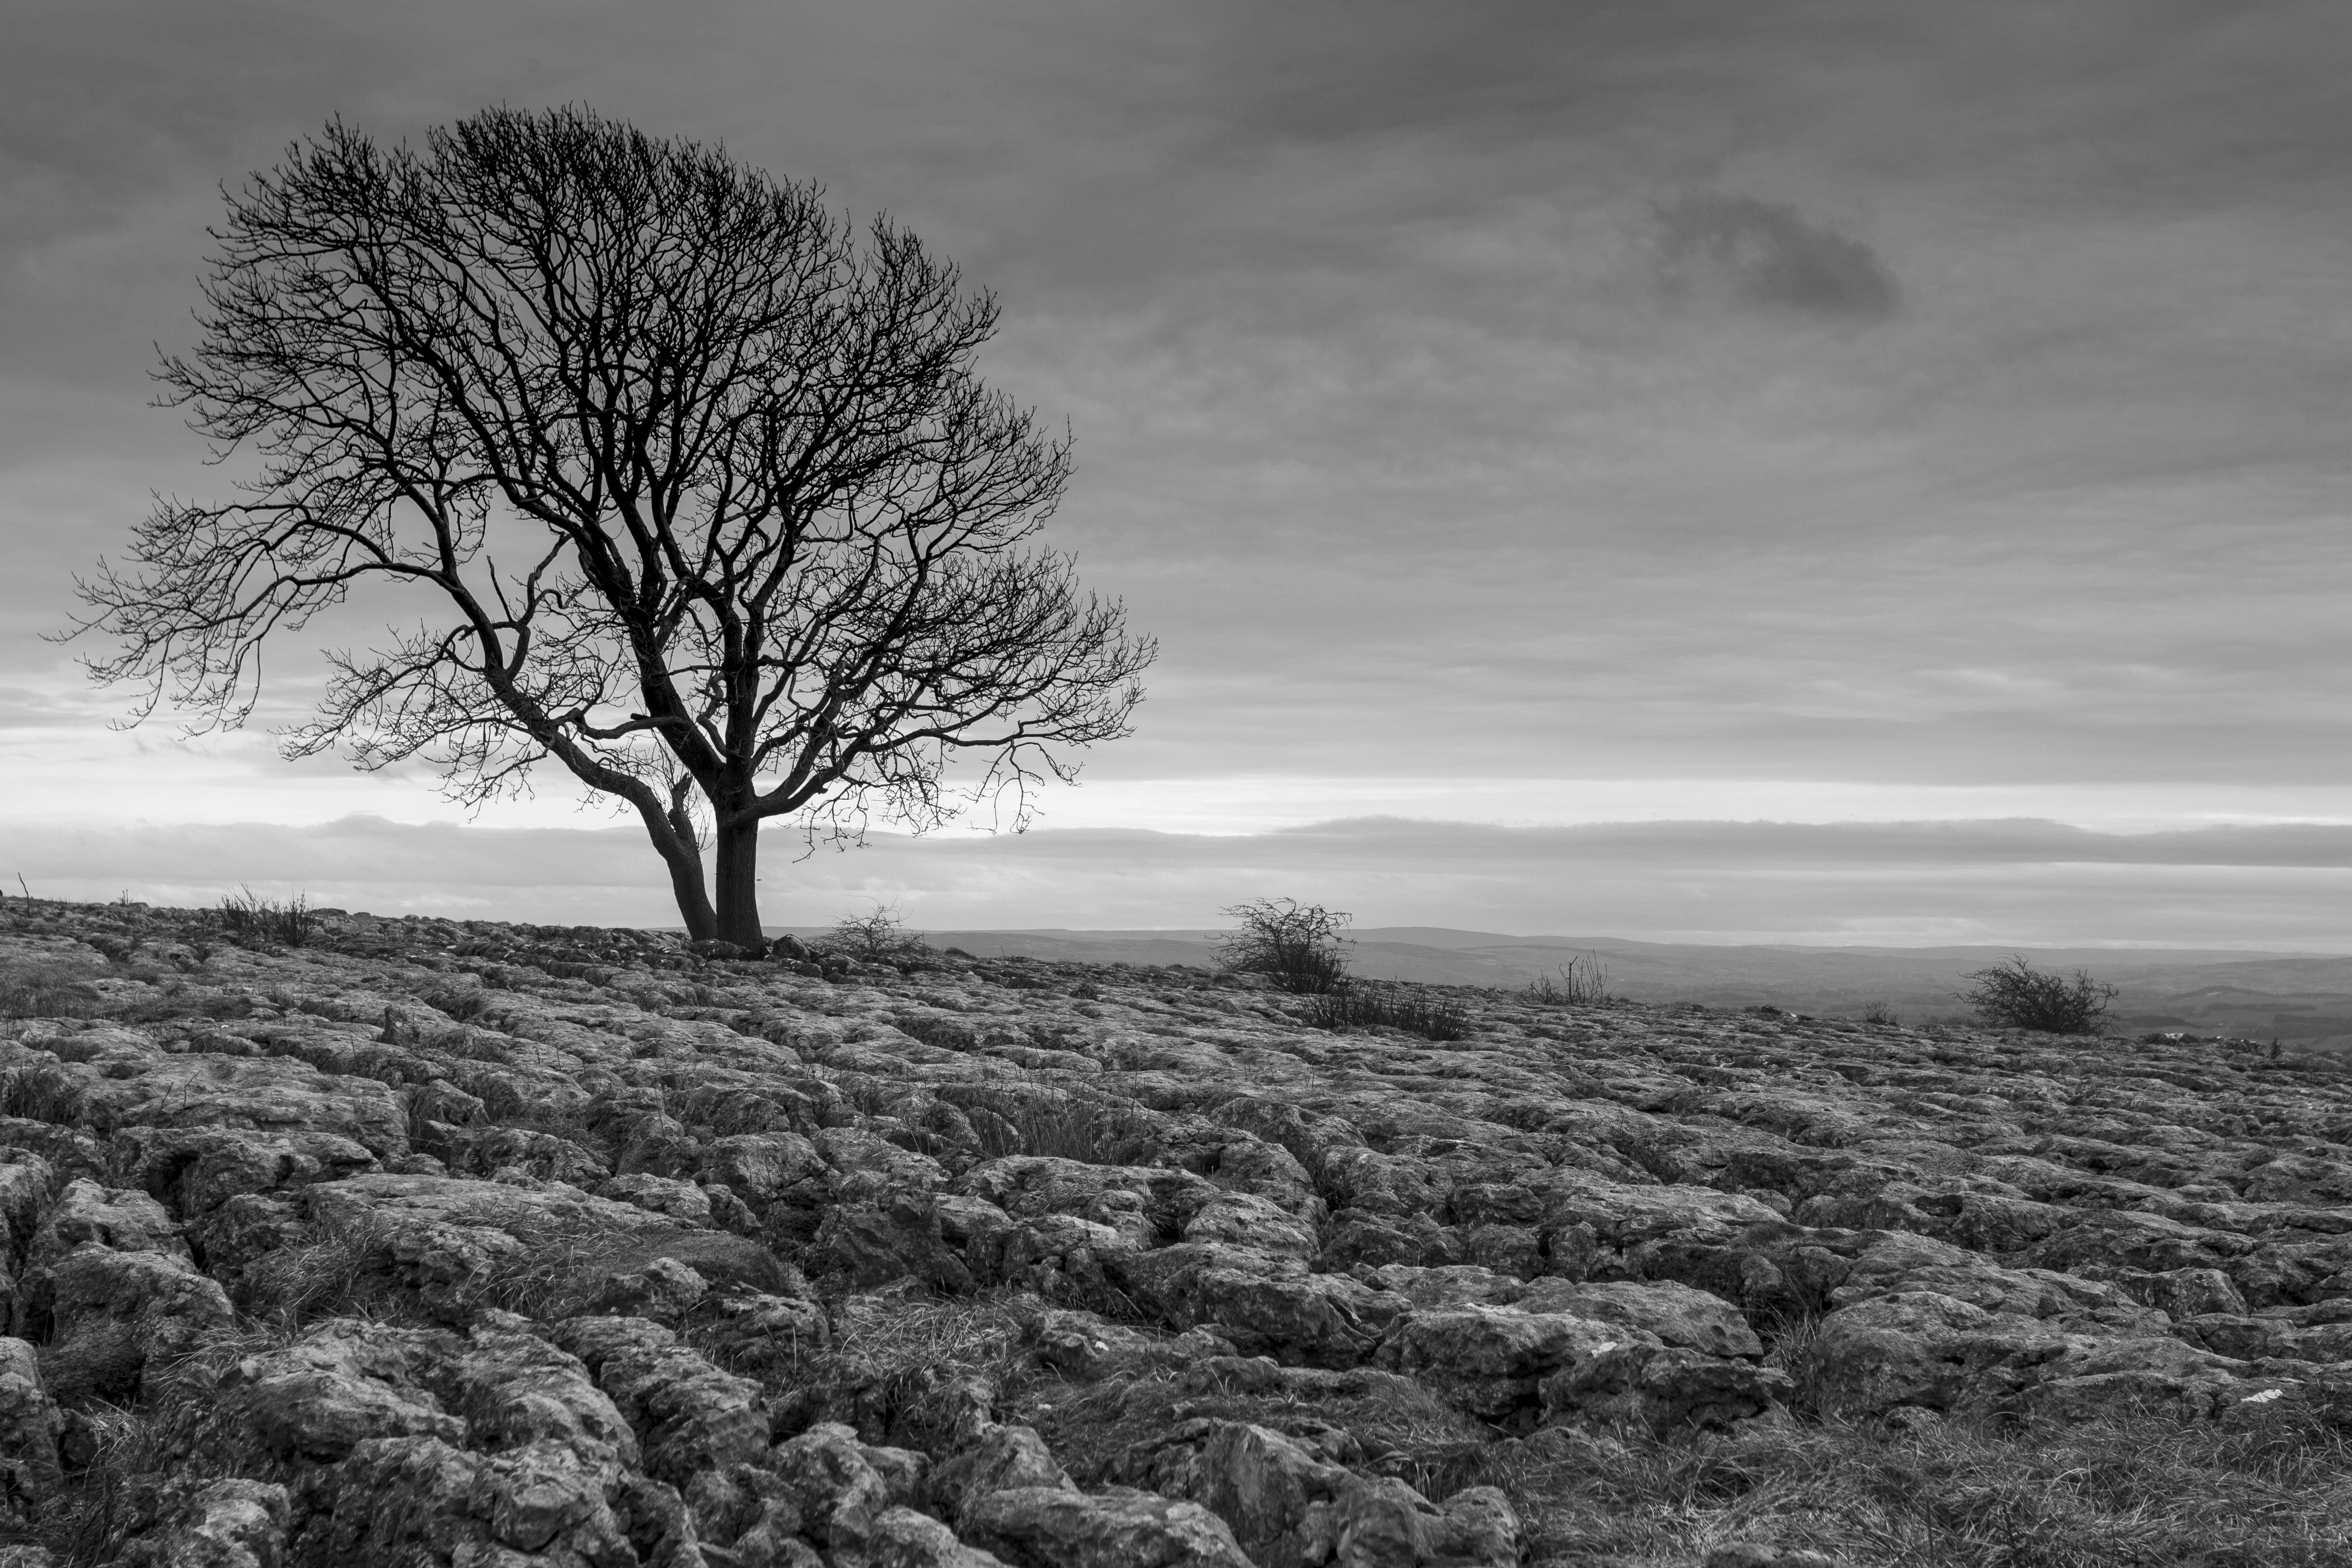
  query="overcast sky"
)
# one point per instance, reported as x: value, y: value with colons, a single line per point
x: 1519, y: 415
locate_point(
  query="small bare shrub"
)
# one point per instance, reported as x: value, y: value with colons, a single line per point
x: 2013, y: 994
x: 1582, y: 983
x: 877, y: 938
x: 1299, y: 945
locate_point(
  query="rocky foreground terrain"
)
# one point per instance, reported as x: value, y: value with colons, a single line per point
x: 477, y: 1245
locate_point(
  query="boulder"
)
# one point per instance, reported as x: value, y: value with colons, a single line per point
x: 1003, y: 1457
x: 1923, y: 1347
x: 452, y: 1239
x: 1676, y: 1314
x: 116, y: 1316
x: 747, y: 1511
x: 687, y: 1414
x: 1280, y: 1501
x: 679, y: 1200
x: 1664, y: 1388
x: 1265, y: 1304
x: 870, y: 1244
x: 30, y: 1425
x: 1245, y: 1219
x: 230, y: 1523
x: 663, y: 1288
x: 1489, y: 1362
x: 1384, y: 1522
x: 398, y: 1501
x: 759, y: 1333
x: 513, y: 1388
x: 121, y: 1219
x: 1361, y: 1237
x: 1148, y: 1205
x: 194, y: 1170
x: 1086, y: 1348
x: 837, y: 1492
x: 1053, y: 1526
x: 26, y: 1184
x: 901, y: 1537
x: 130, y: 1082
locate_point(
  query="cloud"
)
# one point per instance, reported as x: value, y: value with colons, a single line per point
x: 1374, y: 430
x: 1769, y: 255
x: 1903, y: 884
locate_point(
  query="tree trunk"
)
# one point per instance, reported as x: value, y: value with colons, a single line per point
x: 685, y: 881
x: 736, y: 854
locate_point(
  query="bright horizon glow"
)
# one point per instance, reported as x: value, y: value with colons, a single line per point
x: 93, y: 775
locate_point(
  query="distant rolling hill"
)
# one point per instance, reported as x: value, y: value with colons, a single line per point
x: 2304, y: 999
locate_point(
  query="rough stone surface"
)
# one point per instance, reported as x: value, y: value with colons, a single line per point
x: 570, y: 1247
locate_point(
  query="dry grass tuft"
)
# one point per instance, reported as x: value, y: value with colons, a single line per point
x: 40, y: 1091
x: 2135, y: 1491
x: 330, y: 1274
x: 1064, y: 1124
x: 898, y: 1366
x: 37, y: 988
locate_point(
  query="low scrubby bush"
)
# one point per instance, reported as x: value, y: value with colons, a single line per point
x: 1296, y: 945
x: 2013, y: 994
x: 1358, y: 1004
x: 878, y: 938
x: 248, y: 914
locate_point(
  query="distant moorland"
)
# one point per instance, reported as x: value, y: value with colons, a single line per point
x: 2304, y: 999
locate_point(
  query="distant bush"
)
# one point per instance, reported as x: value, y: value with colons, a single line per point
x: 1582, y: 983
x: 2013, y: 994
x: 1879, y: 1012
x: 251, y: 915
x: 1358, y: 1003
x: 879, y: 937
x: 1296, y: 945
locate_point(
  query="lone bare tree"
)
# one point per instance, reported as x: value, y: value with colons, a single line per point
x: 688, y: 489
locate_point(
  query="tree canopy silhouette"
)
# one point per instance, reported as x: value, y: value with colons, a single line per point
x: 688, y: 485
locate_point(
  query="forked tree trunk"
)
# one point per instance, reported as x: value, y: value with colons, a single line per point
x: 735, y: 856
x: 686, y: 885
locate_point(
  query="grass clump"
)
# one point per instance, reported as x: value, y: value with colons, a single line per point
x: 910, y: 1370
x: 43, y: 989
x: 2013, y: 994
x: 1296, y: 945
x: 1059, y: 1123
x: 2130, y: 1490
x: 249, y: 915
x: 1358, y: 1004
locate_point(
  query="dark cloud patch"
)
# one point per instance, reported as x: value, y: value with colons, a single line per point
x: 1769, y: 255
